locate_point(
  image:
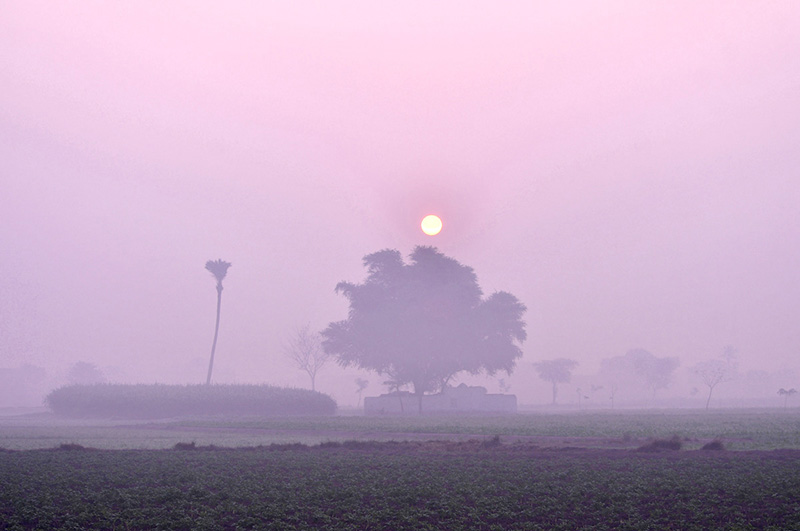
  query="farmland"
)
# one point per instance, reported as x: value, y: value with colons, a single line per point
x: 745, y: 429
x: 559, y: 471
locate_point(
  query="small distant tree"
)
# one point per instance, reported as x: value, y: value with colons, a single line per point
x: 786, y: 394
x: 638, y: 370
x: 218, y: 268
x: 713, y: 372
x: 556, y: 371
x: 305, y: 350
x: 613, y: 394
x: 581, y: 397
x: 361, y: 384
x: 85, y: 373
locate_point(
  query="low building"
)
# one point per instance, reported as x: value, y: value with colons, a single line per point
x: 460, y: 399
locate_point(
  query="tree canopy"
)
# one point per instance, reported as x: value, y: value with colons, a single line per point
x: 425, y: 321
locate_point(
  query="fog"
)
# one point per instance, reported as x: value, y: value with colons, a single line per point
x: 627, y: 170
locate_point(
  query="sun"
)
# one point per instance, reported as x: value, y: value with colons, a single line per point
x: 431, y: 225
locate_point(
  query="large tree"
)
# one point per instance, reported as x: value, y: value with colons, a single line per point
x: 218, y: 269
x: 425, y: 321
x: 556, y: 371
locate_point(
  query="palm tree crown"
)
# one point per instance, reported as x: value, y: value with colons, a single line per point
x: 218, y: 268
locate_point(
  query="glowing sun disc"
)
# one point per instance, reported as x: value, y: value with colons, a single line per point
x: 431, y: 225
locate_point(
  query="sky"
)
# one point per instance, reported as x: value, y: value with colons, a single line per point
x: 628, y: 170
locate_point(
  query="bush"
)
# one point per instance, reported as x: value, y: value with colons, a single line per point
x: 662, y: 444
x: 715, y: 445
x: 491, y: 443
x: 71, y: 447
x: 164, y: 401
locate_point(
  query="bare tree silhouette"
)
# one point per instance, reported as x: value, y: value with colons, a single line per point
x: 713, y: 373
x: 218, y: 268
x: 304, y: 349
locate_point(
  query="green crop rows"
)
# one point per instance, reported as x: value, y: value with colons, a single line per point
x: 396, y: 486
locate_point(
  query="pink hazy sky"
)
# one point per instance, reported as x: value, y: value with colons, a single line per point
x: 629, y: 170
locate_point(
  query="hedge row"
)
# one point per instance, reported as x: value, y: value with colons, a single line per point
x: 165, y: 401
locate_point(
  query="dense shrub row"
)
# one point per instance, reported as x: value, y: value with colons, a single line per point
x: 164, y: 401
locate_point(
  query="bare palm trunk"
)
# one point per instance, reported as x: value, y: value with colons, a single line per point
x: 216, y: 333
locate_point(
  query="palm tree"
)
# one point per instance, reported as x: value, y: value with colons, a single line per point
x: 218, y: 268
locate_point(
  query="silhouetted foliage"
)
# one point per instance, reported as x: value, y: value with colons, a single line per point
x: 217, y: 268
x: 425, y: 321
x: 491, y: 443
x: 653, y: 372
x: 305, y: 350
x: 658, y: 445
x: 556, y: 371
x: 715, y: 446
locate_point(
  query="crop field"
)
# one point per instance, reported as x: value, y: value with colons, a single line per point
x: 537, y: 471
x: 744, y: 429
x: 398, y: 486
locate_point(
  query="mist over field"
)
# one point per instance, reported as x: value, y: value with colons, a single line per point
x: 627, y: 170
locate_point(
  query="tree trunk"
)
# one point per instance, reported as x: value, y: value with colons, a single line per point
x: 555, y: 391
x: 216, y: 333
x: 710, y: 390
